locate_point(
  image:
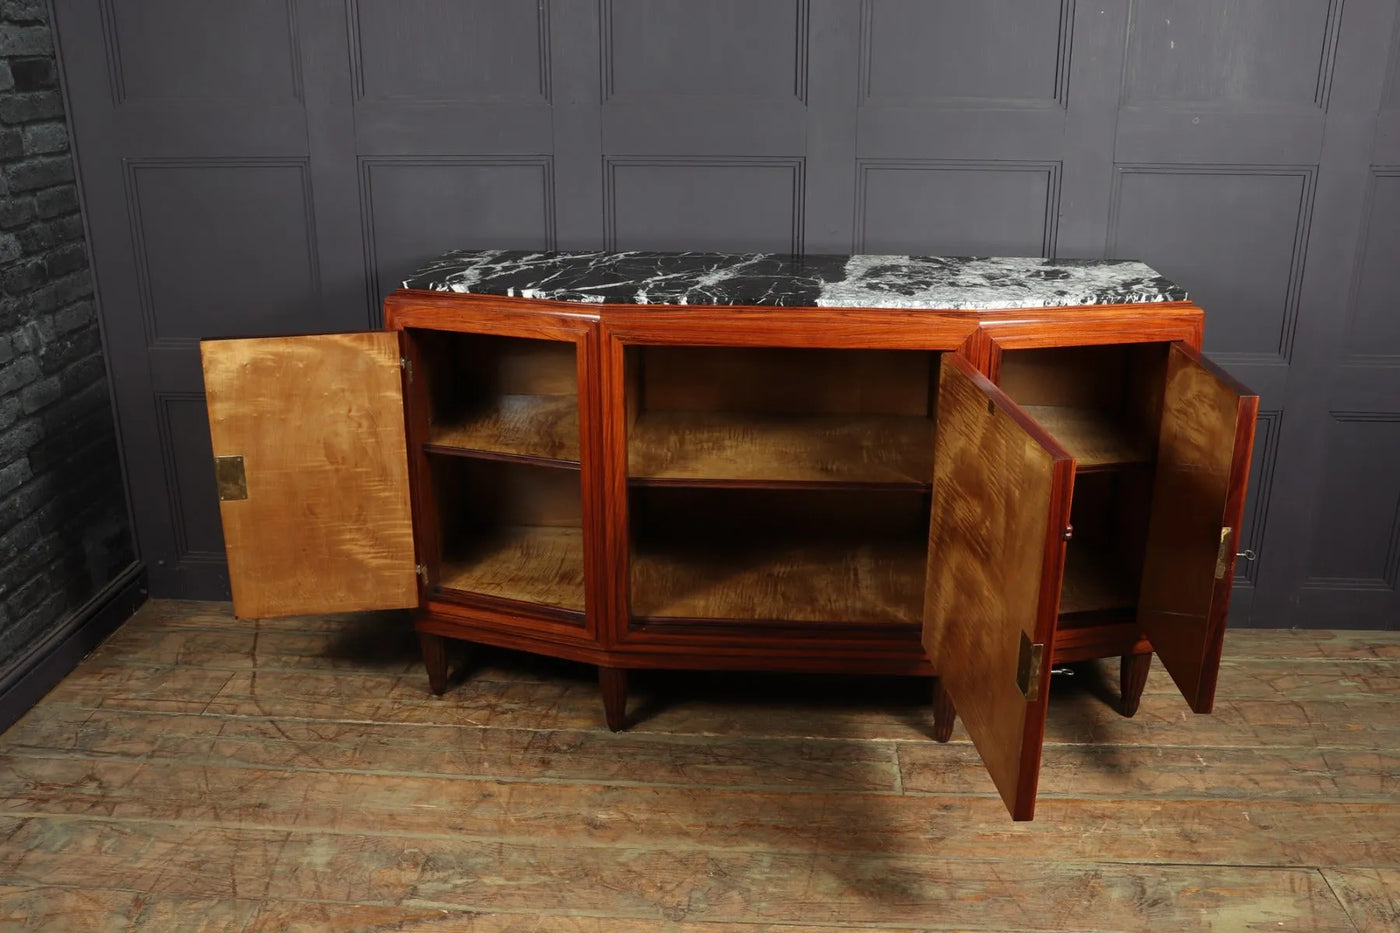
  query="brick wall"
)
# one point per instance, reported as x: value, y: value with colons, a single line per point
x: 64, y: 530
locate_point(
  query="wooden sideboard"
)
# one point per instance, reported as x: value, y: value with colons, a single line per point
x: 972, y: 495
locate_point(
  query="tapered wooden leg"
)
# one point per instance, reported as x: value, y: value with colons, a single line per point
x: 613, y: 680
x: 435, y: 660
x: 943, y: 713
x: 1132, y: 677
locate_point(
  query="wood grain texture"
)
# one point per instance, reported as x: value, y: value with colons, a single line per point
x: 875, y: 582
x: 319, y: 422
x: 1000, y: 504
x: 516, y: 426
x: 714, y: 448
x: 1199, y: 491
x: 202, y: 772
x: 531, y: 564
x: 1096, y: 439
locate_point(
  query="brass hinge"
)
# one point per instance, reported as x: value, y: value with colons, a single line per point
x: 422, y: 572
x: 230, y: 478
x: 1222, y: 556
x: 1028, y: 668
x: 407, y: 366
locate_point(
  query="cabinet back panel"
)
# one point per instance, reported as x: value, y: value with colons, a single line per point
x: 742, y: 513
x: 476, y: 494
x: 785, y: 381
x: 1119, y: 377
x: 466, y: 372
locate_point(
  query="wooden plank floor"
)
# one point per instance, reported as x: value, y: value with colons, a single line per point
x: 202, y: 773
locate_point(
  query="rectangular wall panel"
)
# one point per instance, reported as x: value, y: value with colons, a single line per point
x: 1234, y: 234
x: 913, y: 50
x: 189, y: 468
x: 224, y: 247
x: 739, y: 205
x: 968, y: 208
x: 450, y: 50
x: 1234, y: 54
x: 1357, y: 532
x: 729, y: 49
x: 175, y: 49
x: 1375, y: 316
x: 415, y: 208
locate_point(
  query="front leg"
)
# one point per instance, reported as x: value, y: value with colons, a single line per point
x: 613, y: 681
x: 944, y: 715
x: 1132, y: 678
x: 435, y: 660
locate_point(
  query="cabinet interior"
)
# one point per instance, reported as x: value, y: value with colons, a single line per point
x: 778, y: 416
x: 509, y: 531
x: 1104, y: 404
x: 836, y: 556
x: 508, y: 397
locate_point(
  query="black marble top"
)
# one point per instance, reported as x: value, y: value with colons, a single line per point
x: 863, y: 281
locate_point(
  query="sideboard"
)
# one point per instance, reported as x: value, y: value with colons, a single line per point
x: 965, y: 469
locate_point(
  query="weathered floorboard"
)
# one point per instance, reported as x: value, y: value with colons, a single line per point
x: 206, y: 773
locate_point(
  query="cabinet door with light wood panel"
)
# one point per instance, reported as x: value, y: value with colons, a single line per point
x: 1150, y: 444
x: 312, y: 461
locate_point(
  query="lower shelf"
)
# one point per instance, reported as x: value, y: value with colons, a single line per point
x: 861, y: 583
x: 531, y: 564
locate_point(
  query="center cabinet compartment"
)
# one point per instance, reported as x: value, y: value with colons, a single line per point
x: 775, y: 486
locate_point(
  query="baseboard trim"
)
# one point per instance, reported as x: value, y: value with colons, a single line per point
x: 25, y: 680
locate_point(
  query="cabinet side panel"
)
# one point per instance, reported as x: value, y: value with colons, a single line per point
x: 1197, y: 502
x: 1000, y: 498
x: 323, y: 522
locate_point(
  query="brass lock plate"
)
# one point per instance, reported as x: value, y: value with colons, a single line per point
x: 230, y: 478
x: 1028, y: 668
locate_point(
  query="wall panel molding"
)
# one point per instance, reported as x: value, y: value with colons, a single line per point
x: 608, y: 79
x: 1051, y: 170
x: 1058, y: 92
x: 795, y: 181
x: 117, y: 81
x: 178, y: 491
x: 132, y: 172
x: 357, y: 64
x: 1266, y: 435
x: 1307, y: 175
x: 1359, y: 270
x: 369, y: 164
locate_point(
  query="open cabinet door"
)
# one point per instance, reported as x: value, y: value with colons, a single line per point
x: 1197, y: 501
x: 1001, y: 505
x: 312, y: 469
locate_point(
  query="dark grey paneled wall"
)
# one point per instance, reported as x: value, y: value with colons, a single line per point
x: 273, y: 166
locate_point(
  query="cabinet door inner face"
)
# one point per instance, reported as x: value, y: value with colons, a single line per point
x: 1001, y: 502
x: 1197, y: 502
x: 309, y: 432
x: 503, y: 397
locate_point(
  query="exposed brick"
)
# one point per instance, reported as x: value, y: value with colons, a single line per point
x: 24, y: 277
x: 38, y: 395
x: 68, y: 258
x: 11, y: 143
x: 16, y: 212
x: 45, y: 137
x: 25, y: 40
x: 30, y: 108
x: 34, y: 74
x: 24, y: 11
x: 19, y: 440
x: 33, y: 174
x: 17, y: 375
x: 54, y: 201
x: 7, y: 78
x: 11, y: 476
x: 80, y: 314
x: 7, y: 349
x: 10, y: 248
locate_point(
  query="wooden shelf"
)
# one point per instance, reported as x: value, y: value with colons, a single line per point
x: 516, y: 427
x: 1096, y: 439
x: 739, y: 449
x: 529, y: 564
x: 870, y: 583
x: 1094, y: 581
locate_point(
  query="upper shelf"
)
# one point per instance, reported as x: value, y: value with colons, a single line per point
x: 673, y: 448
x: 1096, y: 439
x: 540, y: 428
